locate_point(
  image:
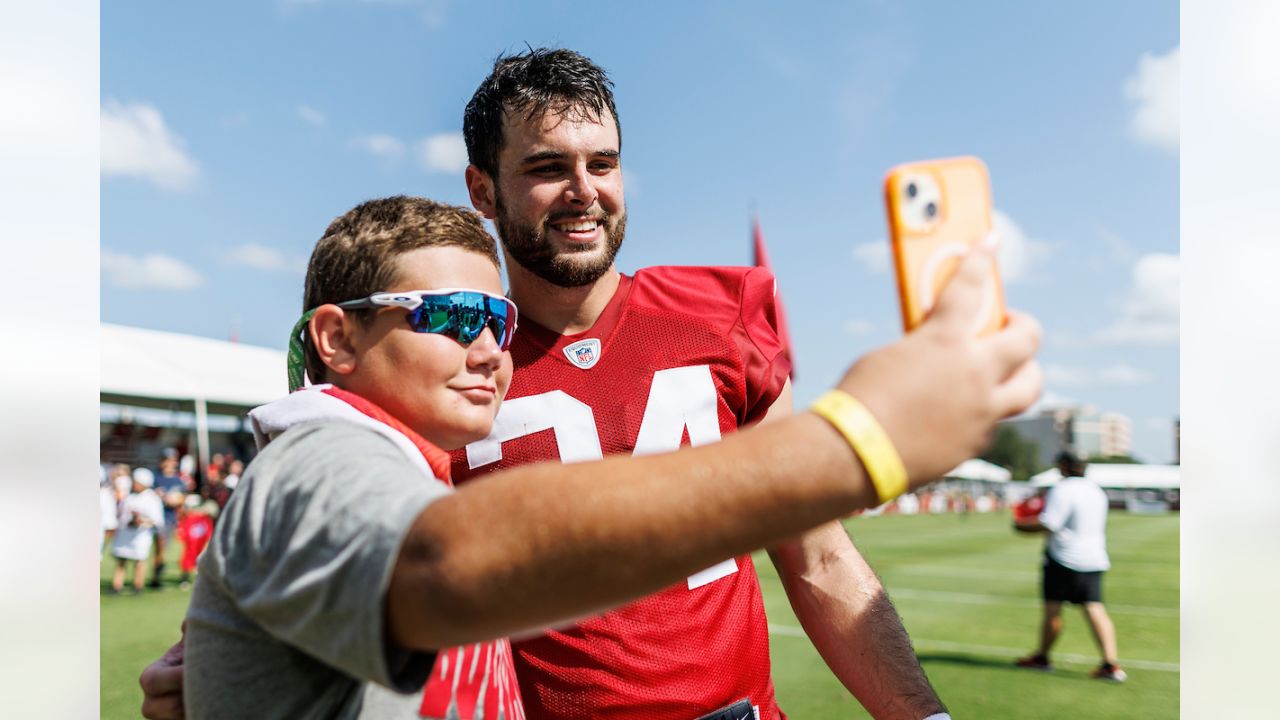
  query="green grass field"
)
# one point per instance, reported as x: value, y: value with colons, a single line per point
x: 966, y: 588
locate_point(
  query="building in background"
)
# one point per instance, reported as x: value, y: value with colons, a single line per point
x: 1100, y: 435
x: 1082, y: 427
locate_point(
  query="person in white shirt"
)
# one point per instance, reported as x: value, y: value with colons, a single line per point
x: 140, y: 514
x: 108, y: 509
x: 233, y: 474
x: 1075, y: 557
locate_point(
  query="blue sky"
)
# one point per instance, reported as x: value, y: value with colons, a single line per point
x: 232, y: 135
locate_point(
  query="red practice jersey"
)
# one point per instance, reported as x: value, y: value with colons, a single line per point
x: 680, y: 356
x: 194, y: 530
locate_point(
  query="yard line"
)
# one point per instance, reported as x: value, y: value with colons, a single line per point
x: 976, y: 599
x: 971, y: 573
x: 1070, y: 658
x: 1123, y: 565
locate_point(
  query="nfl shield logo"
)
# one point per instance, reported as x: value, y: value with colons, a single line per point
x: 584, y: 353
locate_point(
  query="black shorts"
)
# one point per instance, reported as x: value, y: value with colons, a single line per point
x: 1062, y: 584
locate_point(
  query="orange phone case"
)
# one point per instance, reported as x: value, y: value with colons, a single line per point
x: 938, y: 210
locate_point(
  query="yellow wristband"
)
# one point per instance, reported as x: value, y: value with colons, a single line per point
x: 872, y: 445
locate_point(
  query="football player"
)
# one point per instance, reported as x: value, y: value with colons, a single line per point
x: 609, y: 363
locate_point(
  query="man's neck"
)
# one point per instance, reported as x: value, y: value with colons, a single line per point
x: 563, y: 310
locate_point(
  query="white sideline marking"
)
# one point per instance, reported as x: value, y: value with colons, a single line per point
x: 970, y: 573
x: 975, y: 599
x: 1070, y: 658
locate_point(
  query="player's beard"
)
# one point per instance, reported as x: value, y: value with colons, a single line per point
x: 530, y: 247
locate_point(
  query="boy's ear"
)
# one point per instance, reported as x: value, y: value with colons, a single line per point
x: 481, y: 187
x: 331, y: 335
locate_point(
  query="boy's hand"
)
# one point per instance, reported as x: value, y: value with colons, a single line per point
x: 162, y: 684
x: 939, y: 391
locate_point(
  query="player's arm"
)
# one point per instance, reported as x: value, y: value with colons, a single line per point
x: 1029, y: 525
x: 1050, y: 519
x: 531, y: 546
x: 846, y: 613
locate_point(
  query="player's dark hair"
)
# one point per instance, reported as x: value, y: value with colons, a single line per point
x: 358, y: 254
x: 558, y: 81
x: 1070, y: 463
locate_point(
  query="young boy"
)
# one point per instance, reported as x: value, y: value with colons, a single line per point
x: 195, y: 525
x: 344, y: 561
x: 141, y: 513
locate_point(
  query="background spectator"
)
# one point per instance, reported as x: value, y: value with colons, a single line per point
x: 172, y: 490
x: 109, y: 508
x: 233, y: 474
x: 215, y: 488
x: 194, y: 528
x: 140, y: 515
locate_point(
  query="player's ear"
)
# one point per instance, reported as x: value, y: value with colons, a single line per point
x: 332, y: 335
x: 481, y: 187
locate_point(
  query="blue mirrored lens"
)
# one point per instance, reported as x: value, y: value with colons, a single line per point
x: 462, y: 316
x: 499, y: 321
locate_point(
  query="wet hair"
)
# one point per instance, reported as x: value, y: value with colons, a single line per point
x: 559, y: 81
x: 358, y: 254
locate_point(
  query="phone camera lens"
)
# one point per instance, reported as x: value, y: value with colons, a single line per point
x: 931, y: 210
x: 912, y: 191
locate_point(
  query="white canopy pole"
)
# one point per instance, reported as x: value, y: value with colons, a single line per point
x: 202, y: 433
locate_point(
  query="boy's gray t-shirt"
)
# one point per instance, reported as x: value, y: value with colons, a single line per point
x: 286, y: 619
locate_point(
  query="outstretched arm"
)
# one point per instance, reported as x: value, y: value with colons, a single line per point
x: 567, y: 543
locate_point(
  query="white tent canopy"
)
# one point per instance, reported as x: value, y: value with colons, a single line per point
x: 1121, y: 476
x: 149, y: 368
x: 976, y: 469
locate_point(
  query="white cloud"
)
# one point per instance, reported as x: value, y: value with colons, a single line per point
x: 859, y: 327
x: 434, y: 13
x: 137, y: 143
x: 1049, y: 400
x: 149, y: 272
x: 1062, y: 375
x: 312, y: 116
x: 445, y: 152
x: 1123, y: 374
x: 383, y: 146
x: 1151, y: 310
x: 237, y: 119
x: 1117, y: 375
x: 873, y: 256
x: 1120, y: 249
x: 631, y: 182
x: 261, y: 257
x: 1017, y: 255
x: 1154, y: 90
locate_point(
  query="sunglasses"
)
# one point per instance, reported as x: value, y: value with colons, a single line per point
x: 456, y: 313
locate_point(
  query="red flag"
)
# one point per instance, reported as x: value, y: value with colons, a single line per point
x: 762, y: 260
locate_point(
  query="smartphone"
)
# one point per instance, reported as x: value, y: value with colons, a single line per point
x: 938, y: 210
